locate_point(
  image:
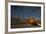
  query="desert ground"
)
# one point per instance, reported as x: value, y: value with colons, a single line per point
x: 19, y: 22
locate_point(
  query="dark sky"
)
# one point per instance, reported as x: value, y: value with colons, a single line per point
x: 26, y: 11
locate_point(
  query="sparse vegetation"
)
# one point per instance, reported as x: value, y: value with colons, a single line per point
x: 18, y: 22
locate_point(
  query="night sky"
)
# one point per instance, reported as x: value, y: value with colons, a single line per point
x: 26, y: 11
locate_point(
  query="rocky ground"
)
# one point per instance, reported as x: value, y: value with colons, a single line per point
x: 17, y: 22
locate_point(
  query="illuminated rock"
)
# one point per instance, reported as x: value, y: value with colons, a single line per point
x: 32, y: 21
